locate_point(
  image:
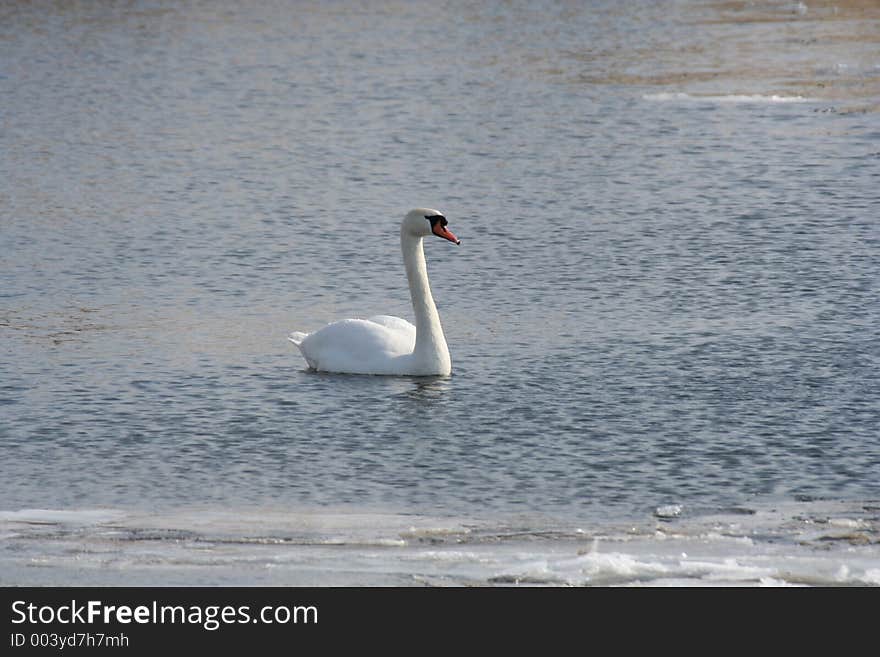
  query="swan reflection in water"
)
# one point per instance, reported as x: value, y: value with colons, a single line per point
x: 428, y: 389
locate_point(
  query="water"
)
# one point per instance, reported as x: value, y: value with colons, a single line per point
x: 663, y: 316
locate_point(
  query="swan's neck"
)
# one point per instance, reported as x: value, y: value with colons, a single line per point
x: 430, y: 349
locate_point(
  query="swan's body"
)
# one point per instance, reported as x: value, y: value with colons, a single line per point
x: 385, y: 344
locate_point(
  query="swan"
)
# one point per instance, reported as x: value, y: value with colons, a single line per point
x: 385, y: 344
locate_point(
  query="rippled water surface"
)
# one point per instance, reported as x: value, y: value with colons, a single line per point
x: 666, y: 292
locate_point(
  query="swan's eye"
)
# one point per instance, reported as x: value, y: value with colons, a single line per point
x: 435, y: 218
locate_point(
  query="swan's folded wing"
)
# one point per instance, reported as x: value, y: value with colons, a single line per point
x: 395, y: 324
x: 358, y: 345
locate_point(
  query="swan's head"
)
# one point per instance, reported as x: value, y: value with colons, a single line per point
x: 422, y: 222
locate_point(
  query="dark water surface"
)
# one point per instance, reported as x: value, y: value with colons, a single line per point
x: 667, y: 290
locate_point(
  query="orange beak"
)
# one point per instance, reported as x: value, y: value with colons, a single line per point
x: 444, y: 232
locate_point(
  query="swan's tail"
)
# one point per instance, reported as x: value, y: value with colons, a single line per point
x: 297, y: 337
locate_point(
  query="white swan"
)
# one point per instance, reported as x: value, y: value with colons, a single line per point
x: 383, y: 344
